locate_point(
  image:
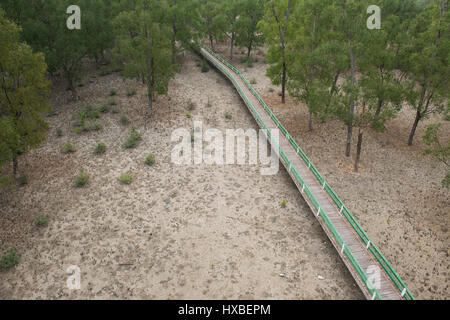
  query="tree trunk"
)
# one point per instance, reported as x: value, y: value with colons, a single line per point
x: 73, y: 89
x: 15, y: 165
x: 380, y: 106
x: 211, y: 40
x: 414, y: 128
x: 310, y: 117
x: 283, y: 84
x: 359, y: 148
x: 249, y: 49
x: 232, y: 46
x: 352, y: 107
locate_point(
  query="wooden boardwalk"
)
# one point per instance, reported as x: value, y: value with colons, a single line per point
x: 385, y: 286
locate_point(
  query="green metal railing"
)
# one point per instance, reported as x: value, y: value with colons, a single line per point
x: 404, y: 291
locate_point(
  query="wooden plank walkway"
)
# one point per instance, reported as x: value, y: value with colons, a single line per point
x: 387, y: 289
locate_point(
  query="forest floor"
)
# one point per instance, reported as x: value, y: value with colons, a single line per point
x: 211, y: 232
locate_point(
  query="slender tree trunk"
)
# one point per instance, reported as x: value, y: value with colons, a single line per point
x: 283, y: 84
x: 149, y: 73
x: 313, y: 70
x: 359, y: 148
x: 414, y: 128
x: 73, y: 88
x: 360, y: 139
x: 249, y: 49
x: 232, y: 46
x: 310, y: 121
x: 378, y: 111
x: 352, y: 107
x: 211, y: 40
x: 15, y: 165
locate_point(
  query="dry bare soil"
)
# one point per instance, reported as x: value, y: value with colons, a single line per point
x: 212, y: 232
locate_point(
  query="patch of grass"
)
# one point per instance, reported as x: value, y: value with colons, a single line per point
x: 134, y: 139
x: 113, y: 92
x: 112, y: 102
x: 9, y: 259
x: 243, y: 59
x: 191, y: 105
x: 124, y: 120
x: 52, y: 113
x: 41, y: 221
x: 250, y: 63
x: 100, y: 148
x: 271, y: 90
x: 228, y: 116
x: 23, y: 181
x: 88, y: 127
x: 104, y: 108
x: 283, y: 203
x: 205, y: 67
x: 253, y: 81
x: 115, y: 111
x: 150, y: 160
x: 68, y: 148
x: 81, y: 180
x: 188, y: 115
x: 126, y: 178
x: 59, y: 132
x: 131, y: 92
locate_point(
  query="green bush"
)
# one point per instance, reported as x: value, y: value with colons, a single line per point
x: 253, y: 81
x: 283, y: 203
x: 126, y: 178
x: 133, y: 140
x: 113, y: 92
x: 41, y: 221
x: 9, y: 259
x: 191, y: 105
x: 100, y: 148
x: 124, y: 120
x: 23, y: 181
x: 81, y: 180
x: 59, y: 132
x: 228, y: 116
x: 150, y: 160
x: 131, y: 92
x: 205, y: 67
x: 188, y: 115
x: 112, y: 102
x: 104, y: 108
x: 68, y: 148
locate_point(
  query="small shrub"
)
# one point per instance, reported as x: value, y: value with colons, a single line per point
x: 81, y: 180
x: 113, y: 92
x: 9, y: 259
x: 133, y: 140
x: 126, y: 178
x: 23, y: 181
x: 100, y: 148
x: 250, y: 63
x: 243, y: 60
x: 41, y: 221
x: 283, y: 203
x: 103, y: 108
x: 115, y: 111
x: 208, y: 104
x: 131, y: 92
x: 280, y: 94
x: 150, y: 160
x: 52, y: 113
x: 124, y: 120
x: 271, y: 90
x: 59, y: 132
x: 188, y: 115
x: 253, y: 81
x: 112, y: 102
x: 95, y: 127
x: 205, y: 67
x: 68, y: 148
x: 191, y: 105
x: 228, y: 116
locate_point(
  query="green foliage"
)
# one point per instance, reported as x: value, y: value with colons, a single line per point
x: 188, y: 115
x: 131, y: 92
x: 283, y: 203
x: 253, y: 81
x: 104, y: 108
x: 150, y: 160
x: 23, y: 181
x: 126, y: 178
x: 124, y: 120
x: 24, y: 94
x: 100, y: 148
x: 205, y: 66
x: 59, y: 132
x: 438, y: 151
x: 134, y: 139
x: 228, y: 116
x: 9, y: 259
x: 113, y: 92
x: 41, y: 221
x: 81, y: 180
x: 68, y: 148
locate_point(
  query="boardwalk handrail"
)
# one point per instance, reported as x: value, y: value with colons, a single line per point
x: 320, y: 211
x: 404, y: 291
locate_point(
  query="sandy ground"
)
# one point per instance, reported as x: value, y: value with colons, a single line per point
x: 397, y: 195
x: 221, y: 235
